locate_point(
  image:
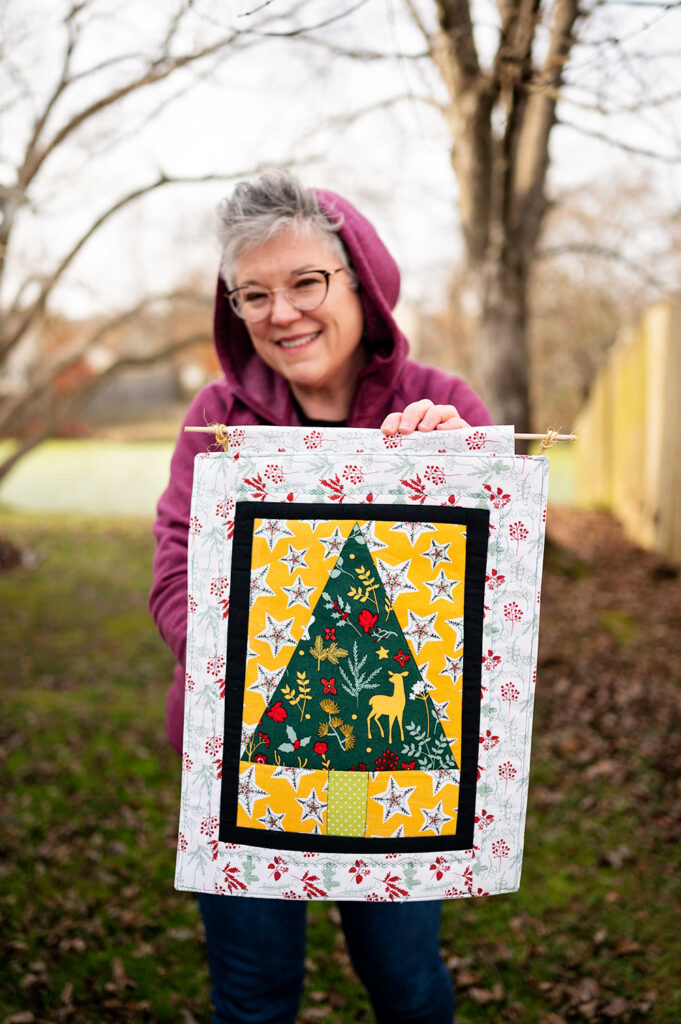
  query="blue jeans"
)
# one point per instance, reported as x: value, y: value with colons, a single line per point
x: 256, y: 955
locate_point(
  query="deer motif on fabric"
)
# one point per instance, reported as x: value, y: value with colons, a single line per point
x: 392, y: 706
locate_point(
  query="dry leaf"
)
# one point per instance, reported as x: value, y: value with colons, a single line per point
x: 617, y: 1007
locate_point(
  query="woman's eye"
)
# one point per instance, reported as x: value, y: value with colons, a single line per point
x: 253, y: 298
x: 302, y: 284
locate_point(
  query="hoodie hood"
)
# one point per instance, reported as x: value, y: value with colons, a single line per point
x: 265, y: 392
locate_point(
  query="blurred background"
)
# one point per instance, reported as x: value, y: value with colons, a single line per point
x: 523, y: 163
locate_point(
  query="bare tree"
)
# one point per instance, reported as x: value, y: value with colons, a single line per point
x: 94, y: 103
x: 508, y: 75
x: 502, y: 114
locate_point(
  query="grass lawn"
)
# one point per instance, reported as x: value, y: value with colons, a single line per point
x: 91, y: 927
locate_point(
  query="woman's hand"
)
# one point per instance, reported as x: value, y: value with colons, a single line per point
x: 424, y: 416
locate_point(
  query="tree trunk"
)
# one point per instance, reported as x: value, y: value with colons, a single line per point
x: 500, y: 344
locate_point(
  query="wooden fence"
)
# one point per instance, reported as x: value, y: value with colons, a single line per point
x: 628, y: 455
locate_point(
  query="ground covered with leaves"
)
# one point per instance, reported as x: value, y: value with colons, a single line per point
x: 91, y: 927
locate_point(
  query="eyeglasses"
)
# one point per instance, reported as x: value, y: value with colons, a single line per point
x: 305, y: 291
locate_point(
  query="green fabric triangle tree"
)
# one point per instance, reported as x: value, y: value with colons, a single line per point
x: 343, y: 702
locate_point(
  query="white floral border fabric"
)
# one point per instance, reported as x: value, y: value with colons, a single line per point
x: 474, y: 468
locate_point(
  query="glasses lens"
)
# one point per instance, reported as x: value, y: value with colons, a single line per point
x: 250, y: 303
x: 308, y: 290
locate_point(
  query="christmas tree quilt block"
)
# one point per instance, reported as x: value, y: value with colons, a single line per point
x: 361, y: 652
x: 359, y: 699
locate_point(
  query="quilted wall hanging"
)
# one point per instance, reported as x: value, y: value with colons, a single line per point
x: 362, y: 636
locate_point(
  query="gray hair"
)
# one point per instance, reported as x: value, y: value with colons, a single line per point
x: 260, y: 209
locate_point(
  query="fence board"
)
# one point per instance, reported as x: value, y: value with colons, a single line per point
x: 628, y: 457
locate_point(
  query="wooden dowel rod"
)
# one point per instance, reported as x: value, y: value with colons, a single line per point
x: 518, y: 437
x: 540, y: 437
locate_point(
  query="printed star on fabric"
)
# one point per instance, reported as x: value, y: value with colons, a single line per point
x: 272, y: 821
x: 453, y: 667
x: 295, y: 558
x: 444, y: 777
x: 434, y: 819
x: 457, y: 626
x: 420, y: 629
x: 312, y: 808
x: 290, y: 772
x: 440, y: 709
x: 372, y: 541
x: 412, y: 530
x: 398, y: 833
x: 395, y: 800
x: 382, y: 653
x: 437, y: 552
x: 305, y: 635
x: 334, y: 544
x: 442, y: 587
x: 259, y: 586
x: 273, y: 530
x: 249, y: 790
x: 298, y: 593
x: 277, y: 634
x: 267, y: 682
x: 395, y: 579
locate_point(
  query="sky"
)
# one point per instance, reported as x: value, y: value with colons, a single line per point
x: 285, y: 99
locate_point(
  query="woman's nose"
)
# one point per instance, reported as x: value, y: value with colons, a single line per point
x: 283, y: 311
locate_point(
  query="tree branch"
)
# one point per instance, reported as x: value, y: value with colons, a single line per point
x: 419, y: 22
x: 66, y: 405
x: 341, y: 120
x: 290, y: 33
x: 602, y: 252
x: 364, y: 56
x: 42, y: 381
x: 619, y: 144
x: 38, y: 305
x: 157, y: 71
x: 540, y: 116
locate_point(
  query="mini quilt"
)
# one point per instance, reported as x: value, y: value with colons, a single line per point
x: 362, y: 636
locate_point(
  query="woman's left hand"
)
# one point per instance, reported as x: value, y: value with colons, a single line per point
x: 424, y: 416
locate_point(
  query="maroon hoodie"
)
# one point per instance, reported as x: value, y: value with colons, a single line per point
x: 252, y: 393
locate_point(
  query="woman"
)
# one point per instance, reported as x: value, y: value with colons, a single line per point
x: 305, y: 335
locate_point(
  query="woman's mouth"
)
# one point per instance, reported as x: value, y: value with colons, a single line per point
x: 299, y: 341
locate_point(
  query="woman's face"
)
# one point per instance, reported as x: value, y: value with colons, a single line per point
x: 315, y: 350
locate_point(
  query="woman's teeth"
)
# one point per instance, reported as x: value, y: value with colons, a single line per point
x: 297, y: 342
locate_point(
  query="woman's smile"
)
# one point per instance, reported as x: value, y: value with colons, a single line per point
x: 297, y: 341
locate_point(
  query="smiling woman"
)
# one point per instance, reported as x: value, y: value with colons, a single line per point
x: 311, y: 331
x: 305, y: 336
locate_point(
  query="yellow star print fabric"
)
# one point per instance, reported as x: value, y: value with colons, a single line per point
x: 352, y: 697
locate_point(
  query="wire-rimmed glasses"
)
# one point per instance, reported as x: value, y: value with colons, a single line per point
x: 305, y: 291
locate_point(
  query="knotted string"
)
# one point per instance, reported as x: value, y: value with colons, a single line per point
x: 221, y: 435
x: 550, y: 438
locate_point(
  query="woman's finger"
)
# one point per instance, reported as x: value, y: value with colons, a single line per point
x: 435, y: 415
x: 391, y: 423
x: 453, y: 423
x: 413, y: 414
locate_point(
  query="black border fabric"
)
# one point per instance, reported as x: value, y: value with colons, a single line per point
x: 476, y: 522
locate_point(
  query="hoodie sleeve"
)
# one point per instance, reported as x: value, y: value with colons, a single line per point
x: 168, y: 597
x: 470, y: 407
